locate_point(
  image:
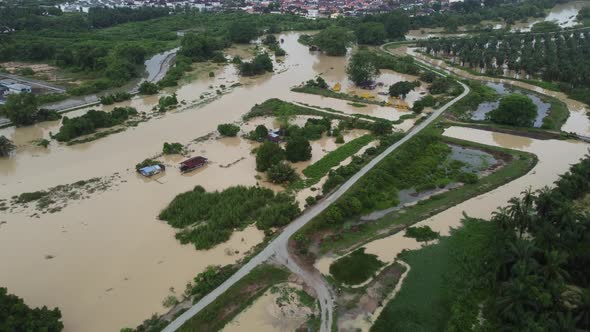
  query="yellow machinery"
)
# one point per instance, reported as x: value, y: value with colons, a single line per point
x: 337, y: 87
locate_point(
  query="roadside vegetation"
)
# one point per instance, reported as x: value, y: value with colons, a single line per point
x: 524, y: 270
x: 22, y: 109
x: 238, y: 297
x: 209, y: 218
x: 116, y: 97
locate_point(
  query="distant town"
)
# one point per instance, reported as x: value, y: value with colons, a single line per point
x: 311, y: 9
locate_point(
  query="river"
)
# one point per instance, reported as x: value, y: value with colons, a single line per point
x: 106, y: 261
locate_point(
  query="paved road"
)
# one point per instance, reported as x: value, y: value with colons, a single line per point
x: 31, y: 81
x: 278, y: 248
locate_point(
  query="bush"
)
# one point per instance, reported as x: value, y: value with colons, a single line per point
x: 468, y: 178
x: 116, y: 97
x: 339, y: 139
x: 310, y: 200
x: 421, y: 234
x: 514, y: 110
x: 259, y: 65
x: 381, y: 128
x: 281, y: 173
x: 148, y: 88
x: 167, y: 101
x: 172, y: 148
x: 146, y: 163
x: 6, y: 146
x: 298, y: 149
x: 319, y: 82
x: 92, y: 120
x: 228, y: 129
x: 267, y: 155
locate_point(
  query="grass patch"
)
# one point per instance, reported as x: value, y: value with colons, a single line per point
x: 558, y: 114
x: 425, y: 300
x: 238, y: 297
x: 320, y: 168
x: 355, y: 268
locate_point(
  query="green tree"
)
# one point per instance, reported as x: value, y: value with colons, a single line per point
x: 515, y: 110
x: 370, y: 33
x: 402, y: 88
x: 242, y: 31
x: 148, y: 88
x: 362, y: 68
x: 261, y: 131
x: 16, y: 316
x: 268, y: 154
x: 281, y: 173
x: 21, y: 109
x: 381, y: 128
x: 228, y: 129
x: 298, y: 149
x: 333, y: 40
x: 6, y: 146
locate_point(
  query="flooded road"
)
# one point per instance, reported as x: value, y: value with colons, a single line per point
x: 111, y: 256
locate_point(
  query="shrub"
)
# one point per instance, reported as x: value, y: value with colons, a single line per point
x: 6, y: 146
x: 92, y: 120
x: 339, y: 139
x: 281, y: 173
x: 514, y: 110
x: 146, y: 163
x: 167, y: 101
x: 468, y: 178
x: 298, y: 149
x: 259, y: 65
x: 228, y: 129
x: 172, y: 148
x: 421, y: 234
x: 267, y: 155
x: 148, y: 88
x: 310, y: 200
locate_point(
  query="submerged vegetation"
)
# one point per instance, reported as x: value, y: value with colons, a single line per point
x: 209, y: 218
x: 91, y: 121
x: 15, y: 315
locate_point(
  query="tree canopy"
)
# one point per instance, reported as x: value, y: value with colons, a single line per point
x: 16, y: 316
x: 362, y: 67
x: 515, y: 110
x: 402, y: 88
x: 298, y: 149
x: 267, y: 155
x: 333, y: 40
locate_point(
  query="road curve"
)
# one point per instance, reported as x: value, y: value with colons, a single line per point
x: 278, y: 248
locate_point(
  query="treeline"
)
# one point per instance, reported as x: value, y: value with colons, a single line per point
x: 209, y: 218
x: 560, y: 57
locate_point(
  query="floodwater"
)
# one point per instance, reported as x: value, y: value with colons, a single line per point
x: 577, y: 122
x: 112, y: 257
x: 555, y: 158
x: 563, y: 14
x: 271, y: 313
x: 502, y: 89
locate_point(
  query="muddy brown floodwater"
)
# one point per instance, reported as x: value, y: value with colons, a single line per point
x: 113, y: 261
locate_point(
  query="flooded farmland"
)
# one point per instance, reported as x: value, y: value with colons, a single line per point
x: 110, y: 256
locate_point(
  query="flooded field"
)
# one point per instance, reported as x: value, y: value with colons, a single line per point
x: 110, y: 256
x: 562, y: 14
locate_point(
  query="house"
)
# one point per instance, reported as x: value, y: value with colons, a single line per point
x: 151, y: 170
x: 193, y: 163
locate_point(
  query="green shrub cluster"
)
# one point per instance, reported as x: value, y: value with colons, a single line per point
x: 259, y: 65
x: 92, y: 120
x: 209, y: 218
x: 116, y: 97
x: 166, y: 102
x: 146, y: 163
x: 421, y: 233
x: 15, y: 315
x: 172, y: 148
x: 228, y: 129
x: 148, y: 88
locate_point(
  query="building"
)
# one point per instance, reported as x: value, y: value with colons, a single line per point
x: 193, y: 163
